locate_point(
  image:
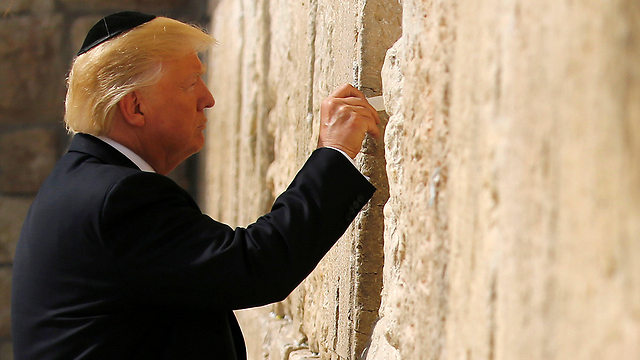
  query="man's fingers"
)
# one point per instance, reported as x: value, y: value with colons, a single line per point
x: 368, y: 119
x: 347, y: 90
x: 362, y: 103
x: 346, y: 117
x: 373, y: 129
x: 354, y: 96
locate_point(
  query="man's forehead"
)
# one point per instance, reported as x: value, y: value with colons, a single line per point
x: 187, y: 67
x: 198, y: 68
x: 189, y: 62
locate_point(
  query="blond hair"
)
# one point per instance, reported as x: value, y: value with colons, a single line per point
x: 101, y: 77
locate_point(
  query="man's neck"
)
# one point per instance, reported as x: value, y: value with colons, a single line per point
x: 135, y: 158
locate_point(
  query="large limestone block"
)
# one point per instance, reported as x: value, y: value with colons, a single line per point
x: 342, y: 296
x: 221, y: 150
x: 13, y: 211
x: 276, y: 61
x: 310, y: 51
x: 417, y: 94
x: 18, y: 6
x: 26, y: 159
x: 291, y: 82
x: 32, y: 69
x: 513, y: 154
x: 384, y: 340
x: 239, y: 144
x: 6, y: 350
x: 5, y: 303
x: 255, y: 143
x: 155, y: 6
x: 545, y: 206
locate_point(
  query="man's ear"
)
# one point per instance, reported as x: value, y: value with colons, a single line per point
x: 132, y: 110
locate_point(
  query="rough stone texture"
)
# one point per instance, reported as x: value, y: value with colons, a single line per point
x: 512, y: 157
x: 13, y: 211
x: 512, y: 229
x: 239, y: 144
x: 79, y: 30
x: 274, y: 64
x: 384, y: 342
x: 156, y: 6
x: 256, y: 105
x: 6, y: 351
x: 342, y: 297
x: 545, y: 179
x: 533, y: 246
x: 303, y: 355
x: 31, y: 68
x: 417, y: 81
x: 5, y: 300
x: 26, y: 159
x: 18, y: 6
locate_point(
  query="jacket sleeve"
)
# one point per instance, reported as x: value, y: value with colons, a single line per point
x: 166, y: 251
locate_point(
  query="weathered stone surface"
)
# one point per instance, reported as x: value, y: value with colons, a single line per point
x: 155, y: 6
x: 351, y: 273
x: 26, y: 159
x: 253, y: 327
x: 32, y: 69
x: 221, y: 159
x: 512, y: 155
x: 13, y: 211
x: 5, y: 303
x: 282, y: 58
x: 79, y: 29
x: 416, y: 222
x: 303, y: 355
x: 6, y: 350
x: 545, y: 181
x: 252, y: 100
x: 384, y: 341
x: 9, y: 7
x: 278, y: 336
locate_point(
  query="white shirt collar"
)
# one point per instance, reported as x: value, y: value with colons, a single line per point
x: 135, y: 158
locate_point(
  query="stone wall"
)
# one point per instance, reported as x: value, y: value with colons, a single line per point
x: 274, y: 64
x: 38, y: 39
x: 507, y: 221
x: 511, y: 162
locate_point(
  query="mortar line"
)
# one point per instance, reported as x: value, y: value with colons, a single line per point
x: 313, y: 15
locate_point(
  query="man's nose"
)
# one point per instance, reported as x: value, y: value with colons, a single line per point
x: 206, y: 99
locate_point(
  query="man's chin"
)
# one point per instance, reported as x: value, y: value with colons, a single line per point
x: 198, y: 145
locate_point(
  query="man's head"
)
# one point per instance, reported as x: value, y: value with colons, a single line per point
x: 122, y: 60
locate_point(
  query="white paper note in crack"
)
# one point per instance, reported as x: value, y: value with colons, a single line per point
x: 377, y: 102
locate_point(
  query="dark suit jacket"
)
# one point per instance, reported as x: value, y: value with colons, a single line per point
x: 116, y: 263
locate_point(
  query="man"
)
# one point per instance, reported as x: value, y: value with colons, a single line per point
x: 115, y: 261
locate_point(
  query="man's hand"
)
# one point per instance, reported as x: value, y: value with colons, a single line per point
x: 345, y: 118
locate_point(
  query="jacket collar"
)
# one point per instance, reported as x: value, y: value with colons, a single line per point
x: 91, y: 145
